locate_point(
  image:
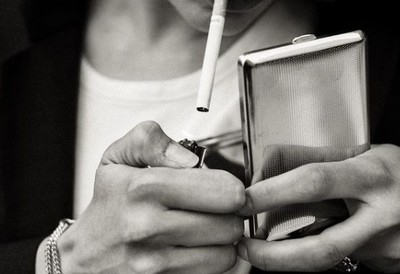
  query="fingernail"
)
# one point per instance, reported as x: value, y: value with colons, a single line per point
x: 181, y: 156
x: 242, y: 250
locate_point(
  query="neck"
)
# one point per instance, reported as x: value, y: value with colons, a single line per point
x: 148, y: 39
x: 150, y: 20
x: 138, y: 40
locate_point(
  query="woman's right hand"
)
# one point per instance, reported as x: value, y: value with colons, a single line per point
x: 167, y: 218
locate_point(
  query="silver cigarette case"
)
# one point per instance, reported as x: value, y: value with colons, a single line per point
x: 302, y: 102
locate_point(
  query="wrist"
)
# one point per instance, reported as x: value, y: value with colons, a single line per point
x: 76, y: 250
x: 48, y: 253
x: 67, y: 245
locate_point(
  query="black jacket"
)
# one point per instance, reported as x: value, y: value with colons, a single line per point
x: 40, y: 47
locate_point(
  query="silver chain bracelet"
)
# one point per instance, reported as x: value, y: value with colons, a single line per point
x: 52, y: 256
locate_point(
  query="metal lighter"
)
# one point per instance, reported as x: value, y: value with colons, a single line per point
x: 200, y: 151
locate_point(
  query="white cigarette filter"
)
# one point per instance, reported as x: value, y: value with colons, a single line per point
x: 211, y: 55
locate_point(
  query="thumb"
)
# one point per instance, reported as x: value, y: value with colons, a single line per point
x: 148, y: 145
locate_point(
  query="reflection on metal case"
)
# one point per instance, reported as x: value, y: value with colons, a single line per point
x: 303, y: 102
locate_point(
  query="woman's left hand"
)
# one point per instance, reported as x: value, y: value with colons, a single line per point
x: 370, y: 186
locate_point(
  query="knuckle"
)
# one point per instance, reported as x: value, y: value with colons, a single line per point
x: 377, y: 177
x: 142, y: 184
x: 143, y: 228
x: 105, y: 178
x: 144, y: 133
x: 150, y: 140
x: 103, y: 173
x: 378, y: 172
x: 143, y: 130
x: 236, y: 189
x: 100, y: 177
x: 381, y: 174
x: 318, y: 185
x: 148, y: 264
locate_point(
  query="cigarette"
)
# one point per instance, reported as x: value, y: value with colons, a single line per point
x: 211, y: 55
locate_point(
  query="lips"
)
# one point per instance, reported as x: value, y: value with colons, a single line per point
x: 242, y: 5
x: 238, y: 6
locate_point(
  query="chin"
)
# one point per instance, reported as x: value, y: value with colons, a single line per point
x: 238, y: 18
x: 232, y: 27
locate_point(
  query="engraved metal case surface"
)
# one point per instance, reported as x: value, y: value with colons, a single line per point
x: 298, y: 100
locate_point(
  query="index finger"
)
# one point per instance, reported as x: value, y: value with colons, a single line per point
x: 310, y: 183
x: 202, y: 190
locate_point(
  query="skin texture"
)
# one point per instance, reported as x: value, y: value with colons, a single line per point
x: 163, y: 26
x: 170, y: 218
x: 239, y: 16
x: 370, y: 187
x: 159, y: 219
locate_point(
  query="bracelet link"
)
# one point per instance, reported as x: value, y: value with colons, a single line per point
x: 52, y: 256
